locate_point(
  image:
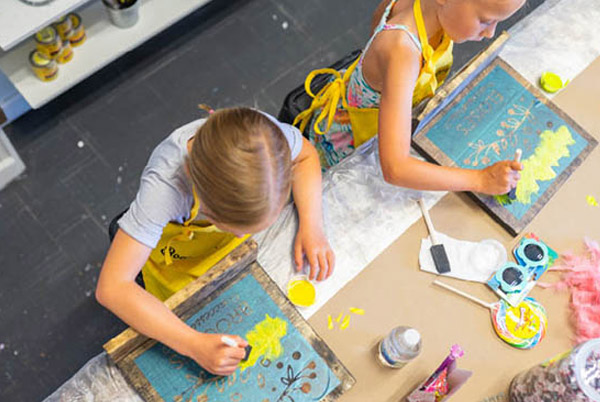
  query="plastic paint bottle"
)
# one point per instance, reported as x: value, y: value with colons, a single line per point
x: 401, y: 346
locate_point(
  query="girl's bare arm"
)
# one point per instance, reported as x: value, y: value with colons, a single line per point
x: 400, y: 62
x: 118, y: 291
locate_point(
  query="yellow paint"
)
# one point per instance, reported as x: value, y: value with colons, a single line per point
x: 339, y: 317
x: 551, y: 82
x: 265, y: 340
x: 503, y: 199
x: 356, y: 310
x: 301, y: 292
x: 539, y: 166
x: 591, y: 200
x: 329, y: 322
x: 345, y: 323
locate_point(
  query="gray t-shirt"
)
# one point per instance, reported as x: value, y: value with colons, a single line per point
x: 165, y: 193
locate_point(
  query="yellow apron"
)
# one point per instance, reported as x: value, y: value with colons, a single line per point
x: 436, y: 63
x: 185, y: 252
x: 364, y: 121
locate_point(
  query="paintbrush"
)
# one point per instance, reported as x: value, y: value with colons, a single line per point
x: 438, y: 252
x: 512, y: 194
x: 230, y: 342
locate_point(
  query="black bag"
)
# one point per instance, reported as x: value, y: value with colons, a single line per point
x: 298, y: 100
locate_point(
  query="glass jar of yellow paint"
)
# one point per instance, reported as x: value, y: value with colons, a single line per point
x: 301, y: 291
x: 48, y: 42
x: 44, y: 67
x: 64, y: 27
x: 66, y: 53
x: 78, y: 32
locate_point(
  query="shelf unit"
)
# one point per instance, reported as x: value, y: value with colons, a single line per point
x: 105, y: 42
x: 18, y: 21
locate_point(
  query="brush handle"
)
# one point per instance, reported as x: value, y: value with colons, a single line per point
x: 518, y: 154
x: 432, y: 233
x: 513, y: 191
x: 460, y: 292
x: 229, y: 342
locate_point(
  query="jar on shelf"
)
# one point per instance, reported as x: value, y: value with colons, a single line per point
x: 44, y: 67
x: 48, y: 42
x: 66, y: 53
x: 64, y: 27
x: 78, y: 31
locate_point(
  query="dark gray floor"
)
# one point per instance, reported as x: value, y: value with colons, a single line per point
x: 53, y: 220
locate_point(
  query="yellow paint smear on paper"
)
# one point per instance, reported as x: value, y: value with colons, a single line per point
x: 553, y: 146
x: 329, y: 322
x: 265, y: 340
x: 357, y: 310
x: 345, y: 323
x: 301, y: 292
x: 591, y: 200
x: 339, y: 317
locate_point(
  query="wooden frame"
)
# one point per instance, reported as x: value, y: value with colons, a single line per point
x: 465, y: 83
x: 129, y: 345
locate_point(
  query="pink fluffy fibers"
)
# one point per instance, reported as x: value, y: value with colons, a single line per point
x: 581, y: 274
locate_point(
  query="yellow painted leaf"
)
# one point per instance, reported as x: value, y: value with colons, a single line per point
x: 265, y: 340
x: 553, y: 146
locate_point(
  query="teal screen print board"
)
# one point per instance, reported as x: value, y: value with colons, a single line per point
x: 497, y: 113
x: 288, y: 362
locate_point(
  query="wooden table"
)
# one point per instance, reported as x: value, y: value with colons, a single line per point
x: 393, y: 291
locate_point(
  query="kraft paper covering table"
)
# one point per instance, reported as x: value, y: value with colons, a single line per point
x: 393, y: 291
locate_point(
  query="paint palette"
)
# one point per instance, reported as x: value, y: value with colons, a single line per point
x: 490, y: 115
x: 288, y: 361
